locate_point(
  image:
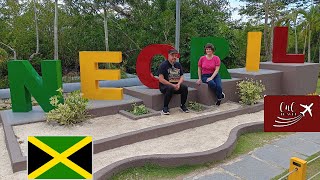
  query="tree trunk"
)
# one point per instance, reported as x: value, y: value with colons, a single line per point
x: 14, y: 52
x: 305, y: 40
x: 36, y: 21
x: 271, y: 40
x: 37, y: 30
x: 106, y: 36
x: 106, y: 33
x: 309, y: 46
x: 56, y: 30
x: 295, y: 36
x: 265, y: 32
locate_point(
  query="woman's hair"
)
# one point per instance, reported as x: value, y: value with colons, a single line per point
x: 208, y: 45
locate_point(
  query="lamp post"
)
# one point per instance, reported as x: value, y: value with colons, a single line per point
x: 177, y: 41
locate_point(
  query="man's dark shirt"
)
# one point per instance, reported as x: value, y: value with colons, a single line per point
x: 169, y: 72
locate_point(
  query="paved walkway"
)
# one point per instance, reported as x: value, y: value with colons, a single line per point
x: 266, y: 162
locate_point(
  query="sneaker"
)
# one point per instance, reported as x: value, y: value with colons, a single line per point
x: 165, y: 111
x: 218, y: 102
x: 223, y: 96
x: 184, y: 108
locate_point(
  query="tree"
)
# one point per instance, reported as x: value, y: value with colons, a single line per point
x: 14, y: 52
x: 287, y: 18
x: 312, y: 21
x: 270, y: 10
x: 56, y: 53
x: 265, y: 32
x: 37, y: 30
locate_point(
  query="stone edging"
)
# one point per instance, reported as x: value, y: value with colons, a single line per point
x: 170, y: 160
x: 18, y: 161
x: 134, y: 117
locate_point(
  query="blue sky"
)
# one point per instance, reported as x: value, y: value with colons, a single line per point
x: 236, y: 4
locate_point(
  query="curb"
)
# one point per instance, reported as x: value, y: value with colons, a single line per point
x: 171, y: 160
x: 170, y: 128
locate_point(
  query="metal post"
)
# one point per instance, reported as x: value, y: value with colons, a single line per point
x: 177, y: 41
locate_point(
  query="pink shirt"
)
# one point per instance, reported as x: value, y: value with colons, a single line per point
x: 208, y: 66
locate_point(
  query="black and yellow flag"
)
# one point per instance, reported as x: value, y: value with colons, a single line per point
x: 59, y: 157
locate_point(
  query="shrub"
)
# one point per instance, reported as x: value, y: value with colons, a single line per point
x: 123, y: 75
x: 139, y: 109
x: 195, y: 106
x: 3, y: 55
x: 3, y: 63
x: 4, y: 82
x: 71, y: 77
x: 71, y: 112
x: 250, y: 91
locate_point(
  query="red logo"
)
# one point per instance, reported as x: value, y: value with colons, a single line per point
x: 292, y: 113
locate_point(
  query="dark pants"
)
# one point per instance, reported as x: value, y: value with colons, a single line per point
x: 168, y: 91
x: 214, y: 84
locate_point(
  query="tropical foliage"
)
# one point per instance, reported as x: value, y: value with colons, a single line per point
x: 28, y: 28
x: 139, y: 109
x: 250, y: 91
x: 71, y: 112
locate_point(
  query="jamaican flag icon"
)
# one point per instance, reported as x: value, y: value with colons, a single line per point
x: 59, y: 157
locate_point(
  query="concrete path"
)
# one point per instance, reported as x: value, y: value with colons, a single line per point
x: 266, y: 162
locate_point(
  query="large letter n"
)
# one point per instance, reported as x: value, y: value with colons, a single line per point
x: 24, y: 81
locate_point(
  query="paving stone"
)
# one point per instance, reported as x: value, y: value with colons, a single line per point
x: 309, y: 136
x: 35, y: 115
x: 251, y: 168
x: 298, y: 145
x: 276, y: 155
x: 218, y: 176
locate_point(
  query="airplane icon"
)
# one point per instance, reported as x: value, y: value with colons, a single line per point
x: 307, y: 108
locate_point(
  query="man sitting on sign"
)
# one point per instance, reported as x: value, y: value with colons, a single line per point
x: 170, y: 81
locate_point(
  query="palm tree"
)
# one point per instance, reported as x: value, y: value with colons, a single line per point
x: 291, y: 17
x: 312, y: 22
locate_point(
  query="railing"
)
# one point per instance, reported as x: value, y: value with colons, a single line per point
x: 298, y: 168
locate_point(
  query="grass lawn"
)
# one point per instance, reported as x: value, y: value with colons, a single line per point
x: 312, y: 168
x: 246, y: 143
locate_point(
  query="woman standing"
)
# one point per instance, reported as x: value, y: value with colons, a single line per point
x: 208, y: 68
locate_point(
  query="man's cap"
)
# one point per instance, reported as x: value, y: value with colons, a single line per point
x: 173, y: 51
